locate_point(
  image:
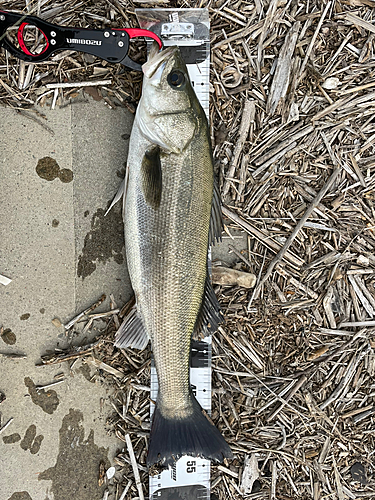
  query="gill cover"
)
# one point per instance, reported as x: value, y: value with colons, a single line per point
x: 167, y: 116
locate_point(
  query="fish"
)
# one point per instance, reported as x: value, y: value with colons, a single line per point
x: 172, y: 213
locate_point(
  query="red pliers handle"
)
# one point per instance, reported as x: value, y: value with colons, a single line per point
x: 110, y: 44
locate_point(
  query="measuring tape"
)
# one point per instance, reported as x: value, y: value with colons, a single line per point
x: 189, y: 475
x: 189, y: 29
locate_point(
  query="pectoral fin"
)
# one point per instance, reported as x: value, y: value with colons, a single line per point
x: 132, y: 332
x: 151, y: 177
x: 120, y: 193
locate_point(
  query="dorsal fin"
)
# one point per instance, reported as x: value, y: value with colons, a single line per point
x: 210, y: 315
x: 216, y: 223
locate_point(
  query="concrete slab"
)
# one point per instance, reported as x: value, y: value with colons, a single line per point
x: 54, y: 191
x: 33, y: 253
x: 100, y: 139
x: 221, y: 252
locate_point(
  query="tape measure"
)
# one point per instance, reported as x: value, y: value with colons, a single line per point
x: 189, y: 478
x: 189, y: 29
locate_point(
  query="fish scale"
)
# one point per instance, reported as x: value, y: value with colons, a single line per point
x: 173, y: 301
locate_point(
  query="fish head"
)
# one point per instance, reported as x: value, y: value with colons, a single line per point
x: 169, y: 111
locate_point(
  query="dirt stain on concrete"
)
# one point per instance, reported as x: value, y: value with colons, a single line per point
x: 75, y: 474
x: 47, y: 400
x: 24, y: 317
x: 104, y: 242
x: 31, y: 441
x: 66, y: 175
x: 20, y: 495
x: 94, y: 92
x: 12, y: 438
x: 48, y: 169
x: 9, y: 337
x: 86, y: 372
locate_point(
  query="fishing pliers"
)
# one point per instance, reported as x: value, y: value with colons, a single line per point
x: 111, y: 44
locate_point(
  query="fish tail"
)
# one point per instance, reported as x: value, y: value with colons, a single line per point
x: 195, y: 435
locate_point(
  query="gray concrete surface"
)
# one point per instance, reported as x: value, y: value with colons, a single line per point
x: 61, y: 254
x: 45, y: 226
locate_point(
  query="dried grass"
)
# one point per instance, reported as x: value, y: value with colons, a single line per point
x: 293, y: 365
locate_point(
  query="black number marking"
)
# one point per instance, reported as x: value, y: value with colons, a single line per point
x: 191, y: 466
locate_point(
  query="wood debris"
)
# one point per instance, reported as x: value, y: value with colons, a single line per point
x: 84, y: 313
x: 4, y: 280
x: 13, y: 355
x: 135, y: 466
x: 5, y: 426
x: 250, y: 474
x: 227, y: 276
x: 69, y: 354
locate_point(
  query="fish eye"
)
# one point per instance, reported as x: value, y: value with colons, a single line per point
x: 176, y: 79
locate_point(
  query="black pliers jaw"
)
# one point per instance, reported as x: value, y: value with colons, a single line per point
x: 110, y: 44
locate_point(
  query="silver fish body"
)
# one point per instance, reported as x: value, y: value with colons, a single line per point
x: 167, y: 216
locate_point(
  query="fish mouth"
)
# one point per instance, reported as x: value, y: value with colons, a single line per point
x: 156, y: 59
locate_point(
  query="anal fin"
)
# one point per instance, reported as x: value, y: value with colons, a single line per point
x: 132, y: 332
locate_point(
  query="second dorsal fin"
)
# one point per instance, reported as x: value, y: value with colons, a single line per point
x: 216, y: 223
x: 210, y: 315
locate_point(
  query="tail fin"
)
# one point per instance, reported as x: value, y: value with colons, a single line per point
x: 195, y: 435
